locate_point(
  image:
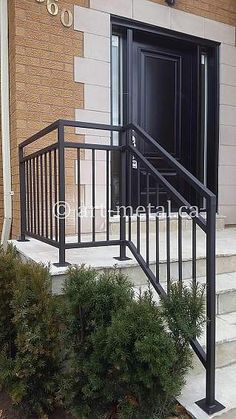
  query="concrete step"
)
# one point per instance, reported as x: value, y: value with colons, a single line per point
x: 225, y: 323
x: 186, y: 223
x: 225, y: 341
x: 225, y: 292
x: 102, y: 258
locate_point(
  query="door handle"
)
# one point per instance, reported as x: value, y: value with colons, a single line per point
x: 134, y: 161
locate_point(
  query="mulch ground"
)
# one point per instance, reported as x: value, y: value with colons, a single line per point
x: 8, y: 412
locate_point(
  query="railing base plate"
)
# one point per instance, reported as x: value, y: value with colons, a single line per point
x: 122, y: 259
x: 210, y: 409
x: 23, y: 240
x: 61, y: 265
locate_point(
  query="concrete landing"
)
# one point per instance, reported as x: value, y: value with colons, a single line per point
x: 103, y: 257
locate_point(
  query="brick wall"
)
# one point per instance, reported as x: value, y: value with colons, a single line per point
x: 42, y: 69
x: 41, y: 75
x: 220, y: 10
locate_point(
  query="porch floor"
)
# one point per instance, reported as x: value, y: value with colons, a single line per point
x: 103, y: 257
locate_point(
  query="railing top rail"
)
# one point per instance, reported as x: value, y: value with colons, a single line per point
x: 67, y: 123
x: 39, y: 134
x: 90, y: 125
x: 188, y: 176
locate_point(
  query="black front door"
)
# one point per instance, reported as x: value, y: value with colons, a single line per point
x: 168, y: 84
x: 165, y: 103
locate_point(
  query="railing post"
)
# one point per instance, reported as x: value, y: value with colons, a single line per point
x: 123, y: 196
x: 61, y: 204
x: 22, y: 196
x: 209, y: 404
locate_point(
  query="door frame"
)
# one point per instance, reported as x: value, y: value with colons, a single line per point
x: 127, y: 27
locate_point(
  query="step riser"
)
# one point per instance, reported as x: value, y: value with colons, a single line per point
x: 226, y: 302
x: 225, y: 355
x: 225, y: 351
x: 186, y: 225
x: 224, y: 264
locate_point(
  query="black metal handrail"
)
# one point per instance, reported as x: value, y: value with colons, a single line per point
x: 43, y: 185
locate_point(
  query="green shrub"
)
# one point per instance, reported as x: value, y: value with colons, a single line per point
x: 8, y: 265
x: 90, y: 301
x: 122, y: 360
x: 31, y: 377
x: 184, y: 310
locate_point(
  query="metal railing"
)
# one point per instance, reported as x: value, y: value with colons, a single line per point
x: 43, y: 183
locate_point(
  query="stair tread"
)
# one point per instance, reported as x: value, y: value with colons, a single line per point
x: 224, y: 283
x: 226, y: 327
x: 225, y: 323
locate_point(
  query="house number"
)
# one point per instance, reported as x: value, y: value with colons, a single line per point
x: 53, y: 9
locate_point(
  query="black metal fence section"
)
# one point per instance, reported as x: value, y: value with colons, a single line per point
x: 43, y: 186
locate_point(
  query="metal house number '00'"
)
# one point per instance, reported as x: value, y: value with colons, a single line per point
x: 53, y: 9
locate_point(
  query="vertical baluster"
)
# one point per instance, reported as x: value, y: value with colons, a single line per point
x: 147, y: 218
x: 38, y: 197
x: 139, y: 203
x: 31, y: 196
x: 93, y: 196
x: 157, y: 236
x: 46, y: 193
x: 50, y: 194
x: 28, y: 195
x: 194, y: 251
x: 42, y: 195
x: 107, y: 195
x: 22, y: 195
x: 180, y: 248
x: 78, y: 196
x: 168, y: 245
x: 55, y: 194
x: 34, y: 195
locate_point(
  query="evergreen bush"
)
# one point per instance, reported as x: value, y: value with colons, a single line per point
x: 184, y: 310
x: 8, y: 267
x: 123, y: 359
x: 31, y: 375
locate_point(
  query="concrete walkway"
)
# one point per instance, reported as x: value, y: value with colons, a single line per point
x: 225, y: 393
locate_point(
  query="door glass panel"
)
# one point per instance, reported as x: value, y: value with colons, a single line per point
x: 116, y: 114
x: 160, y: 102
x: 116, y: 84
